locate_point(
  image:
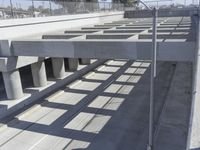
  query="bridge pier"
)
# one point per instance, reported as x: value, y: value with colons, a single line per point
x: 39, y: 74
x: 13, y: 86
x: 58, y: 67
x: 85, y: 61
x: 72, y: 64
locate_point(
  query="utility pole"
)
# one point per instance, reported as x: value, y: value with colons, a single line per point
x: 11, y: 8
x: 33, y: 8
x: 50, y: 9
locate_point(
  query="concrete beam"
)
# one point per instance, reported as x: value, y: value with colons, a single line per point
x: 124, y: 31
x: 108, y: 49
x: 9, y: 63
x: 109, y: 36
x: 171, y: 30
x: 59, y: 36
x: 81, y: 31
x: 164, y: 36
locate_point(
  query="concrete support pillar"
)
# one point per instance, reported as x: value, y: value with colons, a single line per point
x: 84, y: 61
x: 39, y: 74
x: 72, y: 64
x: 58, y: 65
x: 13, y: 84
x: 193, y: 141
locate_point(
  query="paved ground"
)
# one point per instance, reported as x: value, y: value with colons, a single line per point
x: 108, y: 110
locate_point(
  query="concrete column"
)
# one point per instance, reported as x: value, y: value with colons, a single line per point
x: 85, y: 61
x: 39, y: 74
x: 58, y: 65
x: 193, y: 140
x: 72, y: 64
x: 13, y: 84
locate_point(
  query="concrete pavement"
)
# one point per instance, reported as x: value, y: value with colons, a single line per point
x: 108, y: 109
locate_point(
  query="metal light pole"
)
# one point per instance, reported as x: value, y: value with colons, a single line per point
x: 153, y: 75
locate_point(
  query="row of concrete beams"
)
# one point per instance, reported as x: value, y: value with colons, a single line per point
x: 110, y: 40
x: 175, y: 43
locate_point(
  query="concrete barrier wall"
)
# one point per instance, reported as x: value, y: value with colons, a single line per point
x: 17, y: 28
x: 161, y: 13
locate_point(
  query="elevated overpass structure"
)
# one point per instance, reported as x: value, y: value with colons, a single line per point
x: 169, y: 42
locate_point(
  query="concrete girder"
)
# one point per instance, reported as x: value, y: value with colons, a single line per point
x: 108, y: 49
x: 164, y: 36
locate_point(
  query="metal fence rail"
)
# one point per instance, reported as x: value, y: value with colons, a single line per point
x: 36, y: 8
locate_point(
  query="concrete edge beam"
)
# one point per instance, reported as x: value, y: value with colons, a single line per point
x: 108, y: 36
x: 59, y: 36
x: 121, y: 49
x: 162, y: 36
x: 124, y: 31
x: 170, y: 30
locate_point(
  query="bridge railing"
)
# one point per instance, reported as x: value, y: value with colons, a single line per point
x: 38, y: 8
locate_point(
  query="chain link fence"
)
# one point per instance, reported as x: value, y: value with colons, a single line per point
x: 35, y: 8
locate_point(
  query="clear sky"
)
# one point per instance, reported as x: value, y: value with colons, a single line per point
x: 187, y: 1
x: 25, y: 3
x: 181, y: 1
